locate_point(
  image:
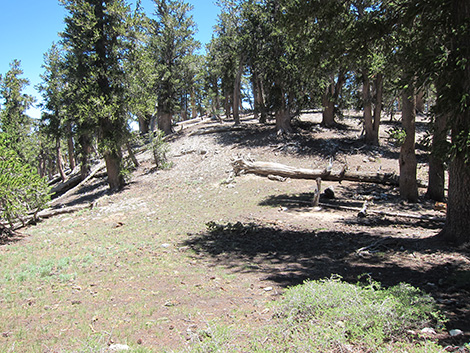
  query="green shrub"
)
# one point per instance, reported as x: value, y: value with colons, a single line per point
x: 21, y: 188
x: 159, y: 149
x: 339, y: 313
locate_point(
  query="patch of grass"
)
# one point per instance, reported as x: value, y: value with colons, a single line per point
x: 332, y: 315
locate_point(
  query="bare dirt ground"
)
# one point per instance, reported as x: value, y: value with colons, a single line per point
x: 263, y: 235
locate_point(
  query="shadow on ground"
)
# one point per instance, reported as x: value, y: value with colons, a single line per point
x: 289, y: 256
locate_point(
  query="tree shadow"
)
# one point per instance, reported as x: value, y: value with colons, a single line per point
x: 290, y: 256
x: 9, y: 236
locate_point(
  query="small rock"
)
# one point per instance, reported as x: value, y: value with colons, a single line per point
x: 428, y: 330
x: 267, y: 289
x: 165, y: 245
x: 329, y: 192
x: 118, y: 347
x: 455, y: 332
x: 340, y: 324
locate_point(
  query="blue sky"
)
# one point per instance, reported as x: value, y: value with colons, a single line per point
x: 29, y: 27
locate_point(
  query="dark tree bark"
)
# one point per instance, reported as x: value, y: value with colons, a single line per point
x: 60, y: 165
x: 113, y: 168
x: 330, y: 98
x: 457, y: 227
x: 378, y: 85
x: 227, y: 106
x: 164, y: 122
x: 372, y: 116
x: 436, y: 172
x: 70, y: 147
x: 236, y: 92
x: 420, y: 101
x: 328, y: 113
x: 144, y: 123
x: 367, y: 108
x: 283, y: 121
x: 408, y: 163
x: 84, y: 142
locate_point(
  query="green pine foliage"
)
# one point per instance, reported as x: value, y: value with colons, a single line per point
x: 21, y: 189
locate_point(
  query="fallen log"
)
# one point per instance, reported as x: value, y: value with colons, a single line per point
x: 71, y: 182
x: 100, y: 166
x: 216, y: 130
x: 384, y: 213
x: 242, y: 166
x: 51, y: 212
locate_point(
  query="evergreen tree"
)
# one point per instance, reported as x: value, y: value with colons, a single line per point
x: 171, y: 46
x: 14, y: 122
x: 95, y: 37
x: 53, y: 120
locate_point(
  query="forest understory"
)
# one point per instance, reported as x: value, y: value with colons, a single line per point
x: 179, y: 249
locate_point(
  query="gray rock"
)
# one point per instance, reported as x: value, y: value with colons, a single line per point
x: 456, y: 332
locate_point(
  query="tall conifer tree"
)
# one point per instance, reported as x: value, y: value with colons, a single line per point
x: 95, y: 35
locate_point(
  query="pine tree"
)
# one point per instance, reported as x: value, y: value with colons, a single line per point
x: 14, y: 122
x: 171, y: 46
x: 95, y: 37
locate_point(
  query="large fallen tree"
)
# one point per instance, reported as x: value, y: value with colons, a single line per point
x: 243, y: 166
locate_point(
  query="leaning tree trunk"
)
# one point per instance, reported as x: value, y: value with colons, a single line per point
x: 408, y: 163
x: 436, y: 172
x: 420, y: 101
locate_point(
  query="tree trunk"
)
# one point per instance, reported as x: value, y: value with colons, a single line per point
x: 70, y: 146
x: 283, y: 120
x: 262, y: 106
x: 84, y: 142
x: 60, y: 165
x: 436, y: 172
x: 457, y: 226
x: 236, y: 92
x: 193, y: 104
x: 367, y: 107
x: 328, y: 113
x: 113, y: 161
x: 227, y: 106
x: 408, y: 163
x: 420, y: 101
x: 330, y: 98
x: 378, y: 106
x: 164, y: 123
x: 241, y: 166
x: 132, y: 155
x: 144, y: 123
x: 255, y: 89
